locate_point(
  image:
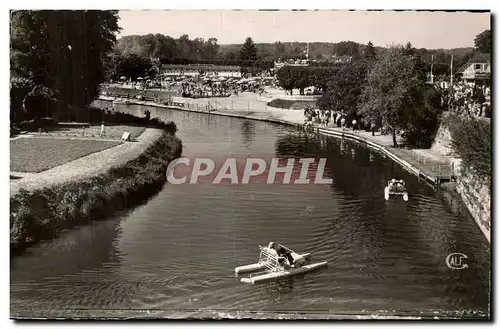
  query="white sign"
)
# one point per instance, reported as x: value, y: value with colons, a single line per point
x: 125, y: 137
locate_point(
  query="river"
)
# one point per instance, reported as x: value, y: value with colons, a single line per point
x: 176, y: 254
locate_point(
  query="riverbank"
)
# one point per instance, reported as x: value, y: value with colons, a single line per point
x: 431, y: 166
x: 42, y: 213
x: 434, y: 167
x: 472, y: 188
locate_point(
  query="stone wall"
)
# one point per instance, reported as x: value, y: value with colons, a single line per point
x: 475, y: 194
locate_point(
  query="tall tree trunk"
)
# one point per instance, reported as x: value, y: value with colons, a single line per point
x: 394, y: 138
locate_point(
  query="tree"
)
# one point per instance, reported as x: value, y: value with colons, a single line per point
x: 344, y: 88
x: 347, y: 48
x: 320, y: 76
x: 370, y: 52
x: 211, y: 49
x: 483, y: 42
x: 423, y: 119
x: 301, y: 77
x: 132, y: 66
x: 285, y: 78
x: 248, y: 52
x: 61, y: 53
x: 393, y: 89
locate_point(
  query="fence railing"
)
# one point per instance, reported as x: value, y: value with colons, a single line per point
x: 440, y: 169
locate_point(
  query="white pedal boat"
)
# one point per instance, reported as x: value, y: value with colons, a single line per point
x: 258, y: 266
x: 273, y: 270
x: 397, y: 190
x: 283, y: 274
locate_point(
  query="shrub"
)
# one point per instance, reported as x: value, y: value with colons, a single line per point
x: 98, y: 115
x: 14, y: 131
x: 422, y: 122
x: 471, y: 142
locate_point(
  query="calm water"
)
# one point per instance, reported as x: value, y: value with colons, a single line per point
x: 177, y: 253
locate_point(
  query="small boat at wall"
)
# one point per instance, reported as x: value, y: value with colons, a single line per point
x: 121, y: 101
x: 396, y: 187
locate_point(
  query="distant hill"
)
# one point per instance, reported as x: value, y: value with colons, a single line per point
x: 284, y: 50
x: 200, y: 50
x: 325, y: 50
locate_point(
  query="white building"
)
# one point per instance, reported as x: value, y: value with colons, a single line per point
x: 477, y: 70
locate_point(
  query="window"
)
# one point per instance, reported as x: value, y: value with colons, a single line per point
x: 486, y: 67
x: 477, y: 66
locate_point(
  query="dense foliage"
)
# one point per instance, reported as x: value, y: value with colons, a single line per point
x: 301, y: 77
x: 184, y: 51
x: 343, y: 89
x: 132, y: 67
x: 471, y: 140
x: 56, y: 60
x: 483, y: 42
x: 98, y: 115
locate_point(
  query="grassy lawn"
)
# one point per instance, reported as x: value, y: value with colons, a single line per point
x: 111, y: 131
x: 286, y: 104
x: 39, y: 154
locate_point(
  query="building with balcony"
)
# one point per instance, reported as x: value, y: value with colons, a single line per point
x: 477, y: 71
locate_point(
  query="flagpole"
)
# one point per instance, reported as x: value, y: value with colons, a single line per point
x: 432, y: 66
x: 451, y: 71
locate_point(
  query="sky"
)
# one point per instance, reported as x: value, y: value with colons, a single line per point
x: 423, y: 29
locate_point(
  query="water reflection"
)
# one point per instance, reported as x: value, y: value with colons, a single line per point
x: 277, y: 292
x: 248, y: 131
x: 83, y: 249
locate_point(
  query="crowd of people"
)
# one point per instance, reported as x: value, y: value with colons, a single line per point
x: 197, y: 87
x: 214, y: 86
x: 285, y: 257
x: 467, y: 99
x: 330, y: 118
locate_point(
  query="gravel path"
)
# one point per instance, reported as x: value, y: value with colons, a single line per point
x: 85, y: 167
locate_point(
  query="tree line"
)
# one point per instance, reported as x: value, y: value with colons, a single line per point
x: 387, y: 89
x: 384, y: 87
x: 184, y: 50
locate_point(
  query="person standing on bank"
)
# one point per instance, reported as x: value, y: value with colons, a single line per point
x: 103, y: 131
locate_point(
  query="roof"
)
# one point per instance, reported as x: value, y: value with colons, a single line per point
x: 480, y: 58
x: 200, y: 67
